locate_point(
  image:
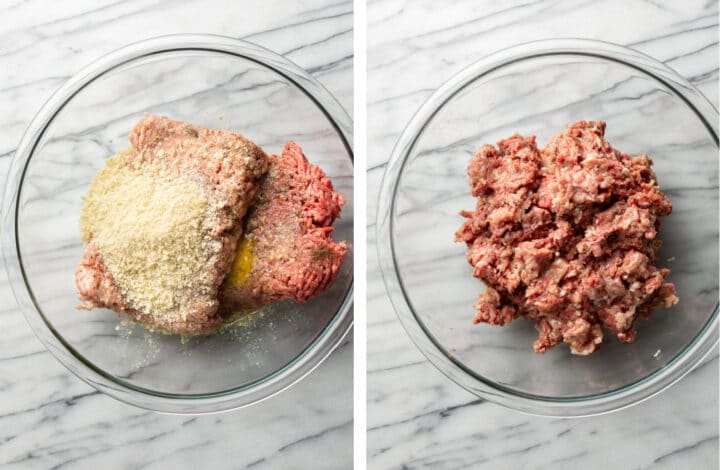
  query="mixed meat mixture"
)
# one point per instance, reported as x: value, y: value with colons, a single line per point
x: 566, y: 236
x: 287, y: 251
x: 163, y: 224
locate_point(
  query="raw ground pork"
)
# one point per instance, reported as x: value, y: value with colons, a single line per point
x: 227, y: 166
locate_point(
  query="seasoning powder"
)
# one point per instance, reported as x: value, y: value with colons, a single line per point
x: 150, y: 230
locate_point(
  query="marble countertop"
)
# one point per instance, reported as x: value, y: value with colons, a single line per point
x: 417, y: 418
x: 51, y: 419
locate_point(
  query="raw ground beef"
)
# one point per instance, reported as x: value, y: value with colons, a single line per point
x: 227, y: 167
x: 289, y: 228
x: 566, y: 237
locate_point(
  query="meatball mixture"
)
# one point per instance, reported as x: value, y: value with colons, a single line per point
x: 566, y: 236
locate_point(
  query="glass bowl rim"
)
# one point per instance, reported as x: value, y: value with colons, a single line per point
x: 261, y: 389
x: 589, y: 405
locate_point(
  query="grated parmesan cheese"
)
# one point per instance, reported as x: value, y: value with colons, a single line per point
x: 150, y: 229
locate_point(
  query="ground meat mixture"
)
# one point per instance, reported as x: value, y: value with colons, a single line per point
x: 565, y: 236
x: 287, y: 251
x: 162, y: 222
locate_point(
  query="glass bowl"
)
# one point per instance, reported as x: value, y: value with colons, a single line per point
x: 209, y: 81
x: 539, y: 88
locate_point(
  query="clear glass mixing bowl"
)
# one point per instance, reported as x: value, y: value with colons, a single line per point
x: 209, y: 81
x: 539, y: 88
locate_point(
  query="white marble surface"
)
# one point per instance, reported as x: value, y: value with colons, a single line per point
x: 49, y: 418
x: 417, y: 418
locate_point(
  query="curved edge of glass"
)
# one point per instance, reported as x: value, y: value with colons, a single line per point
x: 323, y: 345
x: 590, y: 405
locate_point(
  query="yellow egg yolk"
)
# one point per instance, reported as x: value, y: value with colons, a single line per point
x: 242, y: 266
